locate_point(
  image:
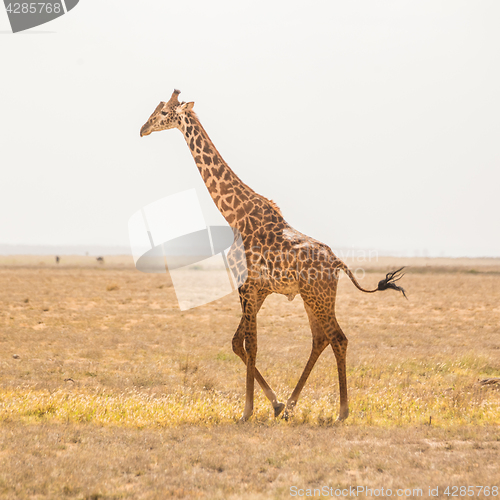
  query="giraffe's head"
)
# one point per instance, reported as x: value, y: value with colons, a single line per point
x: 167, y: 115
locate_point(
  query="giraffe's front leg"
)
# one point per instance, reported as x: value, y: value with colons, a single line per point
x: 251, y: 302
x: 249, y: 299
x: 238, y: 349
x: 251, y: 351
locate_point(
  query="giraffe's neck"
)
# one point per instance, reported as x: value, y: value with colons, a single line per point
x: 237, y: 203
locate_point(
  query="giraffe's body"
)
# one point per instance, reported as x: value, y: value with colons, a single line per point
x: 279, y: 259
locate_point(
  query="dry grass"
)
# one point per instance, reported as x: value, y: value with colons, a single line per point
x: 152, y: 394
x: 227, y: 461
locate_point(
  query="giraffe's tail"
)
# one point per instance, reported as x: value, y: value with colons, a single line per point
x: 385, y: 284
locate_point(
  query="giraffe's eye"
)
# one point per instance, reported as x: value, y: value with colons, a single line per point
x: 164, y: 113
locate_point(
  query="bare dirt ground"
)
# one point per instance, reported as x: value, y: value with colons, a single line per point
x: 107, y: 390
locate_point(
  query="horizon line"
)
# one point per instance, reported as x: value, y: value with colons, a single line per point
x: 343, y: 252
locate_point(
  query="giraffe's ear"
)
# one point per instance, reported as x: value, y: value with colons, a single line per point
x: 185, y: 106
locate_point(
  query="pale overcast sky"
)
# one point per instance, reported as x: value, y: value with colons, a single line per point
x: 372, y: 124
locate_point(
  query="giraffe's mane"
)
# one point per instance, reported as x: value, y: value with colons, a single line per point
x: 272, y: 204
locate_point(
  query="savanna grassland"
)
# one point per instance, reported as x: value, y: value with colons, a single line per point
x: 109, y: 391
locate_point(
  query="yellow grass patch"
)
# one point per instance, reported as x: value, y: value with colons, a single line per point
x: 408, y: 394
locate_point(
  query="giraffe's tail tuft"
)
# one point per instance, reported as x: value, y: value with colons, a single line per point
x: 390, y: 282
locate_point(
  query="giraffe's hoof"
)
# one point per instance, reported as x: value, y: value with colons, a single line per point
x: 288, y: 413
x: 343, y: 415
x: 278, y: 409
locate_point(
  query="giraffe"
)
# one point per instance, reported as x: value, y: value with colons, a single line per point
x: 279, y: 259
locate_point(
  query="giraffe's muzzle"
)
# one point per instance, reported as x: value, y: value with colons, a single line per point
x: 145, y: 129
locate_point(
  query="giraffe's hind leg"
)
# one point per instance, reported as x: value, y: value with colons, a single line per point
x: 319, y: 343
x: 239, y: 349
x: 321, y: 300
x: 339, y: 346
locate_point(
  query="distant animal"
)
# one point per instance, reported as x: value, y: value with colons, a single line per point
x: 57, y: 259
x: 100, y: 260
x: 279, y: 259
